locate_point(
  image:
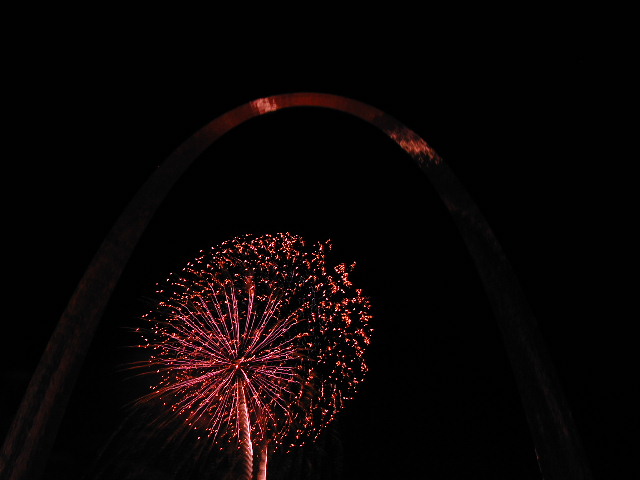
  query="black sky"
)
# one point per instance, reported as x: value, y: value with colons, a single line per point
x: 522, y: 124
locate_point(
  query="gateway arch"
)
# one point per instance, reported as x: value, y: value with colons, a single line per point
x: 31, y: 436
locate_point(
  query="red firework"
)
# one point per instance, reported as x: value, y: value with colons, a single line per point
x: 256, y: 341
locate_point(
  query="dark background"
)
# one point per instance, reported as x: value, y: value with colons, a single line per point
x: 525, y: 117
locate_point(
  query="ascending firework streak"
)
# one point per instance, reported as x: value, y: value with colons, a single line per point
x: 257, y: 343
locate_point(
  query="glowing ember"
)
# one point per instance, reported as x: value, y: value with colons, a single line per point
x: 257, y: 335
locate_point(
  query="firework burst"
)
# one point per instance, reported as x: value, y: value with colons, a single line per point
x: 257, y: 339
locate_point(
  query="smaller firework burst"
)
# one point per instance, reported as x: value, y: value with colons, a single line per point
x: 256, y: 338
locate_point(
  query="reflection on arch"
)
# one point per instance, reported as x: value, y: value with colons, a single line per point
x: 34, y: 429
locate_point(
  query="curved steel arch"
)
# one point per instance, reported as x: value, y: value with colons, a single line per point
x: 33, y: 431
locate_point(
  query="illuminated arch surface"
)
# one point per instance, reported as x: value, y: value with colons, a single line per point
x: 33, y: 431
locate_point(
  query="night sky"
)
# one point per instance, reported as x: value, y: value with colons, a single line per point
x: 522, y: 126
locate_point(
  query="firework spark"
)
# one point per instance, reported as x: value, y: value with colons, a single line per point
x: 256, y: 335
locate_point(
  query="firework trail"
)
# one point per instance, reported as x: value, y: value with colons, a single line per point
x: 256, y: 343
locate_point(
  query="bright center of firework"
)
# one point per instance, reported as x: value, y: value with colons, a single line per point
x: 259, y: 326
